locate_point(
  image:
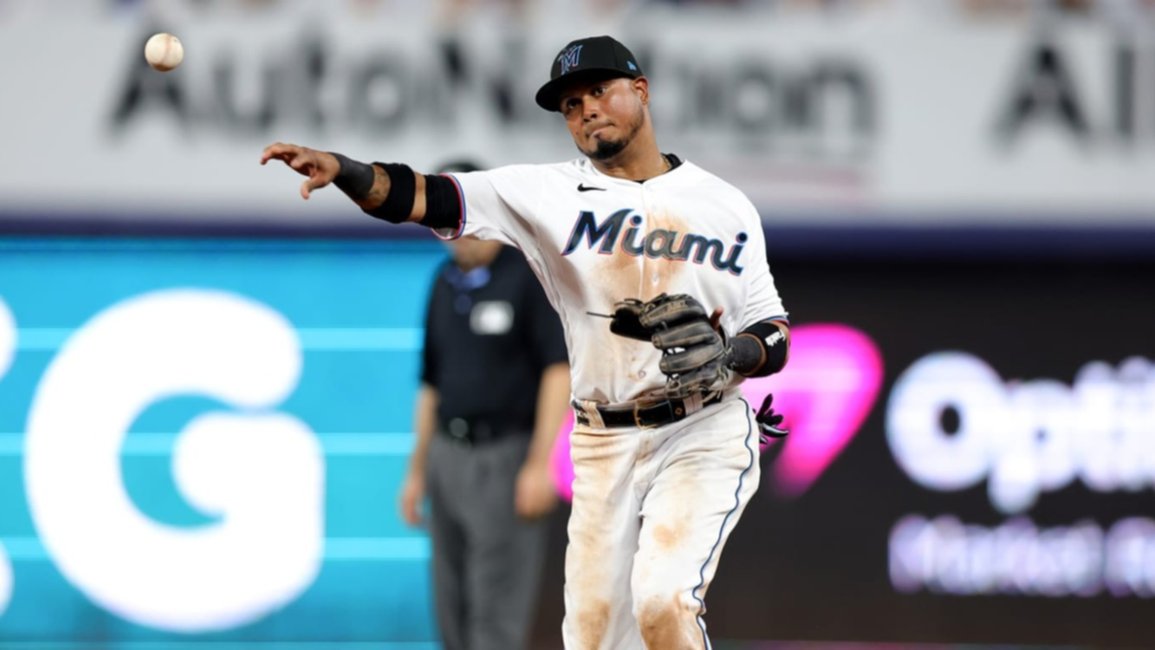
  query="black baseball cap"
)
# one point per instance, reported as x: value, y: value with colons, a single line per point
x: 585, y: 57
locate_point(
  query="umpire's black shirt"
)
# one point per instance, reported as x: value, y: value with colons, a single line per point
x: 489, y: 334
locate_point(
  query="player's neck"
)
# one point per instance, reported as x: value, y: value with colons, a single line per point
x: 640, y: 161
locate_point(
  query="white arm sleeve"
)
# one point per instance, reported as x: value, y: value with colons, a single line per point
x: 762, y: 300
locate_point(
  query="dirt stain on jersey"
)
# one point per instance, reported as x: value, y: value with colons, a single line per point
x: 658, y: 273
x: 619, y: 276
x: 624, y: 275
x: 615, y: 278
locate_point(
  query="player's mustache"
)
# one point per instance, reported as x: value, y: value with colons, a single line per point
x: 590, y: 129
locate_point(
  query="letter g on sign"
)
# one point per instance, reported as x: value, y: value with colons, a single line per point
x: 258, y: 472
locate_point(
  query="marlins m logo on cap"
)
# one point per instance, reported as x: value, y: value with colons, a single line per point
x: 585, y: 58
x: 569, y: 59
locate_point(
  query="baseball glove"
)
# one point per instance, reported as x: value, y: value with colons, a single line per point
x: 693, y: 350
x: 695, y: 357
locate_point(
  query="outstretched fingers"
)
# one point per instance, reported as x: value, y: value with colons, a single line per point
x: 311, y: 183
x: 280, y: 151
x: 317, y: 179
x: 316, y: 165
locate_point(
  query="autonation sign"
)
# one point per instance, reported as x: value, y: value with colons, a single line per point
x: 953, y: 423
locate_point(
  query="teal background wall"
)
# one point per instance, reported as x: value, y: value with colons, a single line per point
x: 356, y: 308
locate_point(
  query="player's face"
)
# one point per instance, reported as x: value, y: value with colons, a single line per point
x: 604, y: 115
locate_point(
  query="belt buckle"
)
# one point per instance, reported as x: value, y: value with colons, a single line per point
x: 638, y: 420
x: 460, y: 432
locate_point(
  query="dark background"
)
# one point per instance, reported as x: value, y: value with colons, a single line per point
x: 815, y: 568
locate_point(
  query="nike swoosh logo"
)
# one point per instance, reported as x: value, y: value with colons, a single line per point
x: 589, y: 188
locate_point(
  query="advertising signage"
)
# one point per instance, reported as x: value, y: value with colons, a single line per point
x: 203, y: 440
x: 1001, y: 487
x: 920, y: 115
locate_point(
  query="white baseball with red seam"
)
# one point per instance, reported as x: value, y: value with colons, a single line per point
x: 163, y: 51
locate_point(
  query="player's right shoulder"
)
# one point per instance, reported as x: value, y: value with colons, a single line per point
x: 721, y: 189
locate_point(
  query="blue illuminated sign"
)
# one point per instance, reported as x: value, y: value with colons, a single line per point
x: 203, y: 440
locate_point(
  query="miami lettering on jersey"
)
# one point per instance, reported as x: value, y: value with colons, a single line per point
x: 656, y: 244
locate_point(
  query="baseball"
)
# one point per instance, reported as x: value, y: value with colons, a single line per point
x: 163, y: 52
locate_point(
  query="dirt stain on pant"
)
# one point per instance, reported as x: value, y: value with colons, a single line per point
x: 593, y: 622
x: 668, y: 624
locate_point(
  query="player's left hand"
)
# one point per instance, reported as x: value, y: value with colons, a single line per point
x: 534, y: 495
x: 692, y: 344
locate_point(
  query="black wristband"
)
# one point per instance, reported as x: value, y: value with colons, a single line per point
x: 758, y: 350
x: 355, y: 178
x: 398, y: 203
x: 746, y: 354
x: 442, y: 203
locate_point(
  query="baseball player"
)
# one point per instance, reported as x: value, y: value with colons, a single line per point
x: 658, y: 270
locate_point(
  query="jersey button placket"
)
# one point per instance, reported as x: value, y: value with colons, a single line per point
x: 647, y: 203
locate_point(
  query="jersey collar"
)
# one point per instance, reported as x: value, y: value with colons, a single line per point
x: 676, y: 163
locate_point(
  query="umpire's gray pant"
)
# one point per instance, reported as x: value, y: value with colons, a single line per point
x: 486, y: 561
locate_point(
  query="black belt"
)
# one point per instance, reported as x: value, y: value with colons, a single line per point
x: 642, y: 416
x: 475, y: 431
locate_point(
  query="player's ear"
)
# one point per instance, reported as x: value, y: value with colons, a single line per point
x: 641, y: 87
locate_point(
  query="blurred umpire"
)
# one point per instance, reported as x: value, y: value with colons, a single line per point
x: 494, y: 391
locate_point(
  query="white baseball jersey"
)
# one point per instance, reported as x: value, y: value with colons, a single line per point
x: 594, y: 240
